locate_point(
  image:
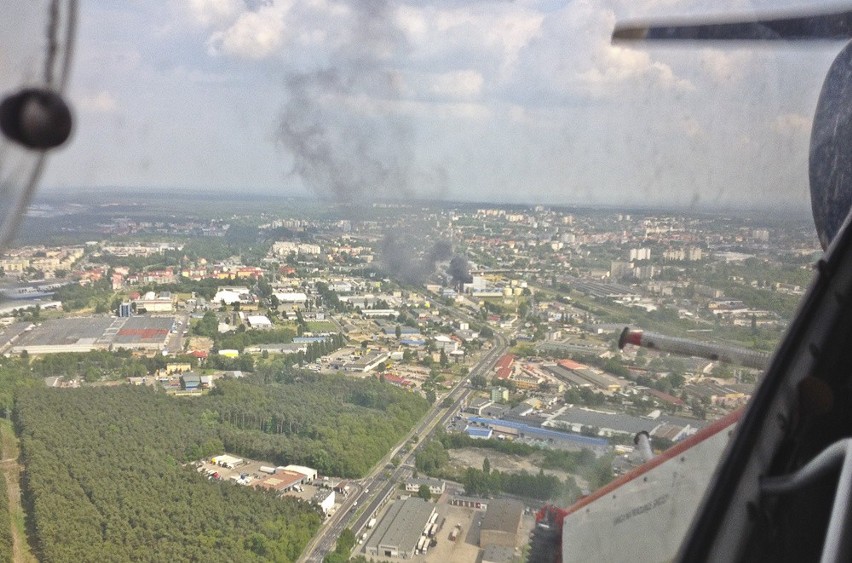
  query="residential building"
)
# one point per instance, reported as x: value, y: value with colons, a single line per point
x: 436, y: 486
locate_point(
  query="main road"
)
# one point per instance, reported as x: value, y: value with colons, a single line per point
x: 375, y: 489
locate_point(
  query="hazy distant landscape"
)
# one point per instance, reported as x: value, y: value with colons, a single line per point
x: 370, y: 348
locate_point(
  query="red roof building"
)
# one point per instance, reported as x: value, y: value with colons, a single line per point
x: 396, y: 380
x: 506, y: 361
x: 571, y: 364
x: 504, y: 366
x: 671, y: 399
x: 281, y: 482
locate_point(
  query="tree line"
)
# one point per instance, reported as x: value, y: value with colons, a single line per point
x: 104, y: 481
x: 433, y: 458
x: 479, y: 482
x: 25, y: 371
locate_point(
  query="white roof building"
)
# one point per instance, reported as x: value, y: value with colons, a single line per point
x: 226, y: 460
x: 230, y: 295
x: 445, y: 342
x: 308, y: 472
x: 259, y: 321
x: 324, y: 498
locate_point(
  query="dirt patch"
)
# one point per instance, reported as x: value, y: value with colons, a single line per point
x: 463, y: 458
x: 200, y: 343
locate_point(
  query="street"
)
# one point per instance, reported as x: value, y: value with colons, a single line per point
x: 375, y: 489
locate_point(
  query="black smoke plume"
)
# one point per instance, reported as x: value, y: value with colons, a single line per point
x: 459, y: 272
x: 400, y: 261
x: 348, y: 138
x: 342, y: 125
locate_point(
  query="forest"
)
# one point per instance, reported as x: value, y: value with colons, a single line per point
x: 96, y: 365
x: 338, y: 425
x: 108, y: 461
x: 111, y: 461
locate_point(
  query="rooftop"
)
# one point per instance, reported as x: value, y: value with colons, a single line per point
x: 570, y: 364
x: 480, y: 402
x: 621, y: 422
x: 79, y: 334
x: 74, y: 330
x: 503, y: 515
x: 540, y: 433
x: 475, y: 432
x: 321, y: 494
x: 282, y: 480
x: 505, y: 361
x: 403, y: 524
x: 425, y: 481
x: 143, y: 329
x: 498, y: 554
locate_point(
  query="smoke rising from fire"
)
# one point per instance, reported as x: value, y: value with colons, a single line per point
x: 347, y: 138
x: 399, y: 261
x: 460, y: 271
x: 341, y: 125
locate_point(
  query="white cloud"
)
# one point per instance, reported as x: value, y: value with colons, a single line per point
x: 215, y: 12
x: 725, y: 66
x: 444, y: 110
x: 462, y: 84
x: 502, y: 95
x: 572, y: 56
x: 101, y: 102
x: 372, y: 107
x: 490, y: 33
x: 616, y: 66
x: 792, y: 124
x: 253, y: 35
x: 691, y: 127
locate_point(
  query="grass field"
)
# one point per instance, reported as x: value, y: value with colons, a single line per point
x: 321, y: 326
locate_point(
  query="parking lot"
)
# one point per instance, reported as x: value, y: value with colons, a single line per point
x: 250, y: 468
x: 466, y: 545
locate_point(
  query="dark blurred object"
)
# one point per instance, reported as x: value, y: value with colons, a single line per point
x: 36, y: 118
x: 36, y: 40
x: 828, y: 26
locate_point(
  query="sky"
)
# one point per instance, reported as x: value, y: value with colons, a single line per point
x: 476, y: 100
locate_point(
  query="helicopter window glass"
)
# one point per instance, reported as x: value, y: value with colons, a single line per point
x: 483, y: 101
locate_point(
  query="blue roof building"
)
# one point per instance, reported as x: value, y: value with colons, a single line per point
x: 309, y: 339
x: 479, y: 433
x: 403, y: 330
x: 190, y: 381
x: 527, y: 431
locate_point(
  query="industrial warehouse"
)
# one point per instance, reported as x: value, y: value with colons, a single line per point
x: 401, y: 529
x: 501, y: 524
x: 84, y: 334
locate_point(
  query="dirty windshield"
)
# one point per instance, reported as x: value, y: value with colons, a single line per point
x: 344, y: 280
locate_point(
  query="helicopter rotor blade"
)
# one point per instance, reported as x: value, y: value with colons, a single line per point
x: 831, y: 26
x: 830, y: 166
